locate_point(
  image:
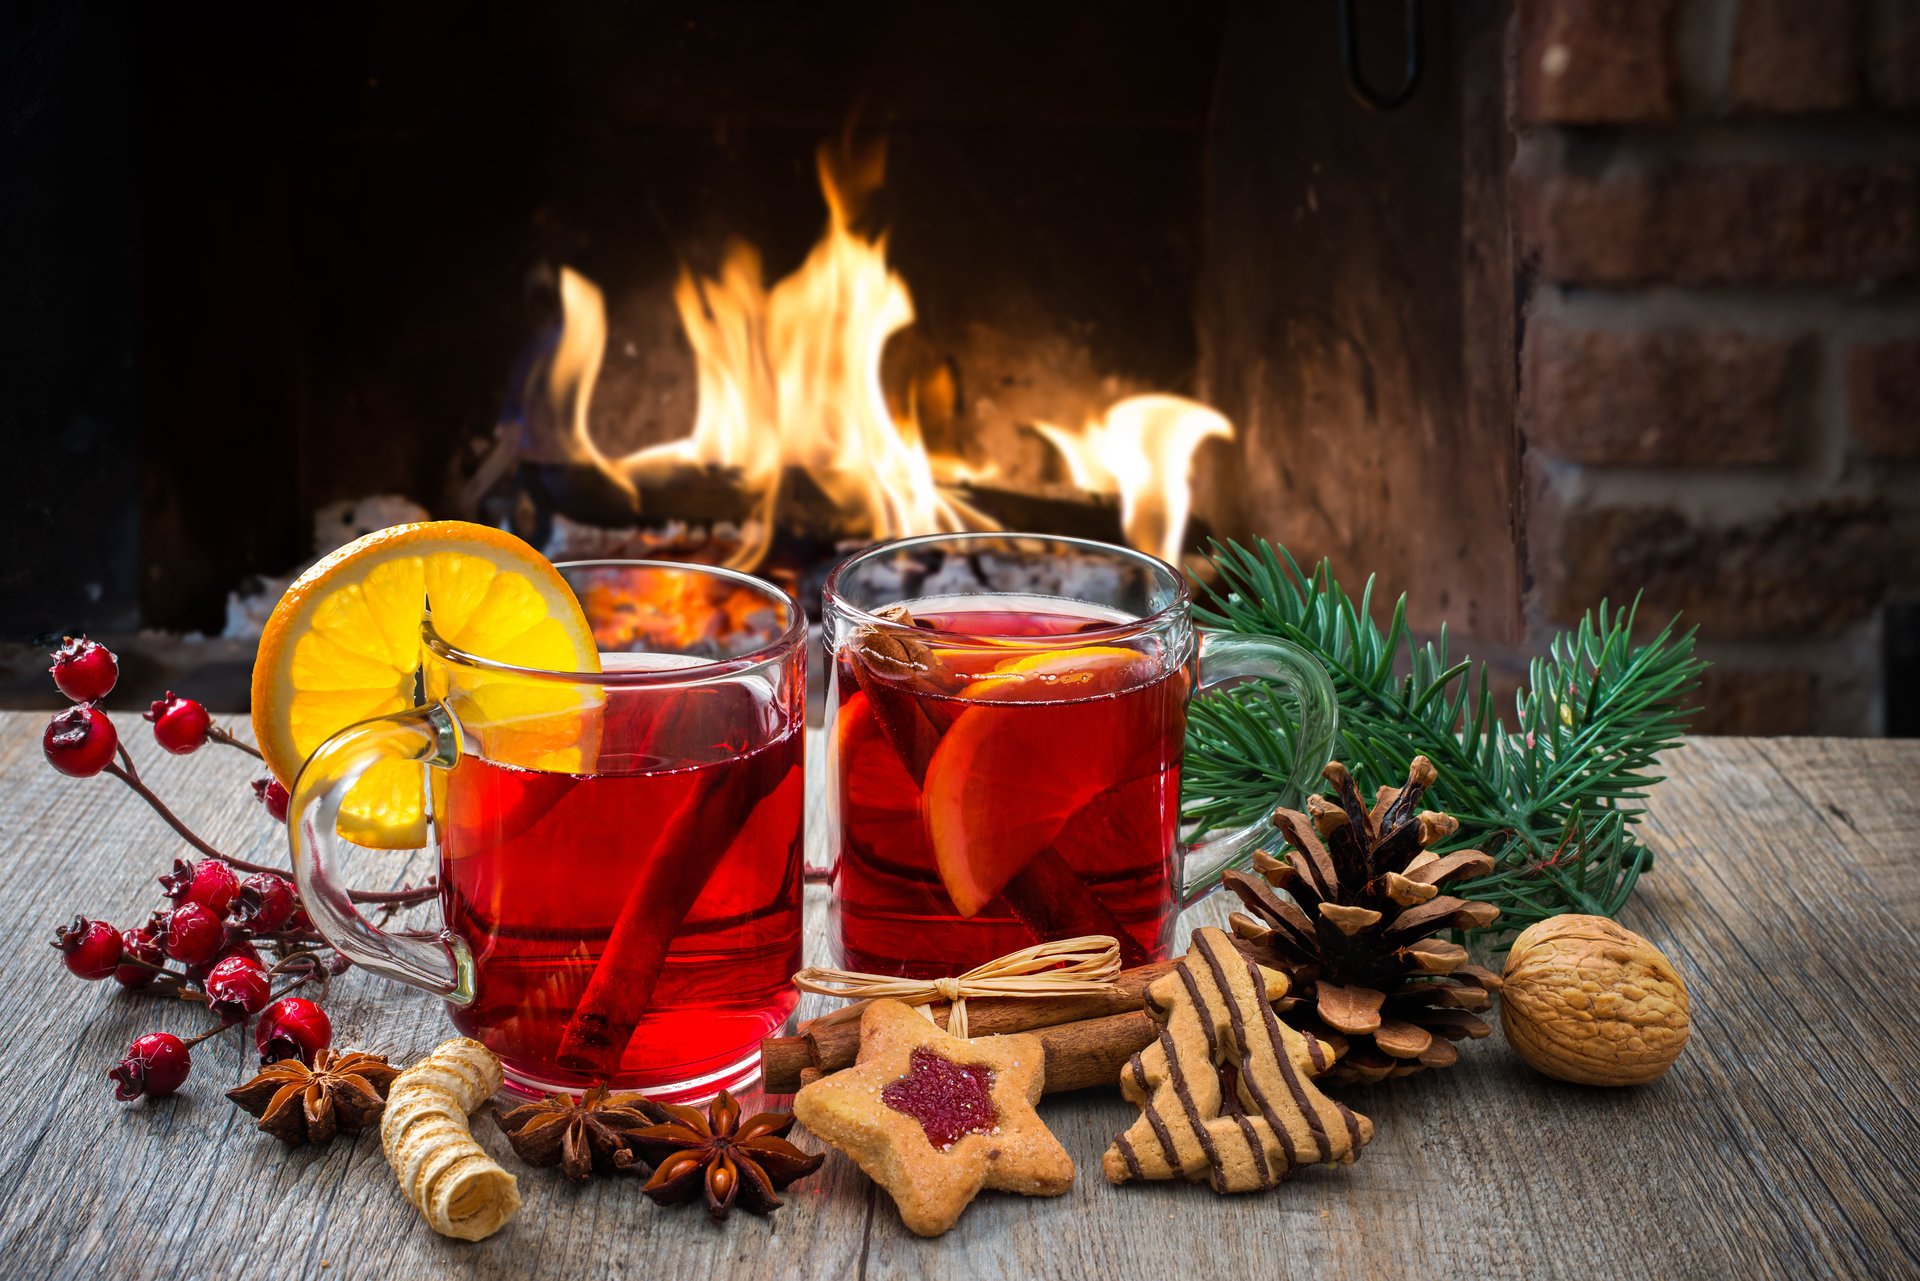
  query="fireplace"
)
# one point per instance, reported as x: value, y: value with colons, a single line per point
x: 1614, y: 299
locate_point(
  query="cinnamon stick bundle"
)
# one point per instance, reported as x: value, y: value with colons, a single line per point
x: 1087, y: 1036
x: 1080, y: 1054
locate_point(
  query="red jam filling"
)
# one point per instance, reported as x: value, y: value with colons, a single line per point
x: 950, y: 1100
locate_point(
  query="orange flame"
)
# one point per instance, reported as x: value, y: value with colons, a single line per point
x: 789, y: 379
x: 1142, y: 450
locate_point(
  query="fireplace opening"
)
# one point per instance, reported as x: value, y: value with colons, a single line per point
x: 1608, y: 303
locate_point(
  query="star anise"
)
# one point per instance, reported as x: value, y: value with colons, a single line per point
x: 723, y: 1157
x: 893, y: 652
x: 300, y: 1104
x: 581, y: 1135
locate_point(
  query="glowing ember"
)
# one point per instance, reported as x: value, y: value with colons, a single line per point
x: 674, y: 612
x: 789, y: 380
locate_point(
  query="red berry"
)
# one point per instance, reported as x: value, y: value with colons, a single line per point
x: 210, y: 882
x: 292, y: 1027
x: 154, y: 1065
x: 236, y: 944
x: 179, y: 724
x: 271, y: 794
x: 195, y: 934
x: 265, y: 902
x: 139, y: 944
x: 237, y: 988
x: 84, y: 670
x: 92, y: 948
x: 80, y: 741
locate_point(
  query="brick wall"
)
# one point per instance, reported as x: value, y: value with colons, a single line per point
x: 1718, y: 214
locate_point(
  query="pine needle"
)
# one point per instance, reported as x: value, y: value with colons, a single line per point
x: 1553, y: 794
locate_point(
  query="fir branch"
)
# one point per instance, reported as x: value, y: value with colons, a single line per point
x: 1552, y: 796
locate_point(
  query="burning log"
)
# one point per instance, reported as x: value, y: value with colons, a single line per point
x: 1091, y: 516
x: 1086, y: 516
x: 795, y: 440
x: 703, y: 497
x: 585, y: 493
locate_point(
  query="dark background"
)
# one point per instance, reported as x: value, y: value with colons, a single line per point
x: 261, y: 258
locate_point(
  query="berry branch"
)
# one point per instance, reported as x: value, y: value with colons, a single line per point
x: 220, y: 910
x: 219, y: 735
x: 405, y: 896
x: 127, y: 775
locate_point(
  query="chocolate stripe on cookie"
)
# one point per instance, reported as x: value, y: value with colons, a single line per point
x: 1139, y: 1074
x: 1287, y: 1069
x: 1254, y: 1147
x: 1127, y: 1155
x: 1200, y: 1004
x: 1225, y: 988
x: 1259, y: 1150
x: 1354, y: 1141
x: 1185, y: 1094
x: 1164, y: 1137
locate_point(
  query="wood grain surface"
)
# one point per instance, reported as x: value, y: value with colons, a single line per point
x: 1784, y: 1143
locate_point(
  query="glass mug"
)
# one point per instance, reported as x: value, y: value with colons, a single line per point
x: 1006, y: 720
x: 619, y: 852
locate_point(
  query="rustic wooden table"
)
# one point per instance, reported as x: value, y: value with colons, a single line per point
x: 1784, y: 1143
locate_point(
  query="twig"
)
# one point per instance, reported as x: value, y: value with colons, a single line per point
x: 131, y: 777
x: 219, y: 735
x: 406, y: 896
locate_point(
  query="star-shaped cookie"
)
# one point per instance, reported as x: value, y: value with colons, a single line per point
x: 933, y: 1118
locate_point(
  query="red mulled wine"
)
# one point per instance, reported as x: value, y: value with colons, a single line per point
x: 1007, y: 770
x: 637, y: 923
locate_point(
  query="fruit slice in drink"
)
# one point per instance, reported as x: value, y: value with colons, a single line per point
x: 343, y: 645
x: 881, y: 798
x: 1037, y: 742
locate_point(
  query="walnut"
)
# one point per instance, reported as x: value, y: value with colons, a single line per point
x: 1590, y: 1001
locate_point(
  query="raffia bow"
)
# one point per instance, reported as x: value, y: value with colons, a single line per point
x: 1069, y: 967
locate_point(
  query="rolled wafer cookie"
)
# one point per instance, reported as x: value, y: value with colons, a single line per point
x: 459, y: 1190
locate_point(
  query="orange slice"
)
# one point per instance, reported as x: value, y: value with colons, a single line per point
x: 343, y: 645
x: 1005, y: 780
x: 1053, y: 675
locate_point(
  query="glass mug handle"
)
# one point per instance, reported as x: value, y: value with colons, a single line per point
x: 1225, y: 657
x: 429, y: 735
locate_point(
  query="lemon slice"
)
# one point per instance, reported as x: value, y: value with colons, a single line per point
x: 343, y: 645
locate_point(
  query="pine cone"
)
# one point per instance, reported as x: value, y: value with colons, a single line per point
x: 1355, y: 939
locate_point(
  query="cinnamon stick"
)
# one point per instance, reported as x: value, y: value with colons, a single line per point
x: 1086, y: 1053
x: 691, y: 845
x: 828, y: 1047
x: 1092, y: 1051
x: 1052, y: 901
